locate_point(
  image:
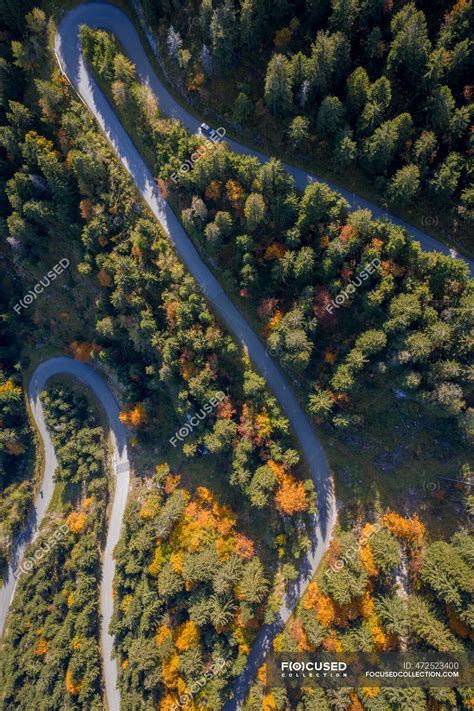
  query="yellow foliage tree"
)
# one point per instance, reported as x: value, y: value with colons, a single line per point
x: 170, y: 671
x: 177, y: 561
x: 41, y: 648
x: 371, y: 691
x: 269, y: 703
x: 366, y: 605
x: 150, y: 506
x: 72, y: 686
x: 205, y: 495
x: 411, y: 529
x: 235, y: 192
x: 158, y: 562
x: 168, y: 703
x: 323, y: 605
x: 75, y: 521
x: 187, y: 636
x: 263, y: 424
x: 163, y: 634
x: 291, y: 496
x: 355, y: 703
x: 368, y: 560
x: 134, y: 417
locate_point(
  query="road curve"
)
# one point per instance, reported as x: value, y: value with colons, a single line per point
x: 112, y: 18
x: 68, y: 52
x: 88, y: 376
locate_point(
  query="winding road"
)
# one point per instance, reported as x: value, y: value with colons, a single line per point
x: 69, y: 55
x: 109, y: 17
x: 121, y: 465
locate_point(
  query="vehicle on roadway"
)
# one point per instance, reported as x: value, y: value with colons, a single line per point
x: 205, y: 130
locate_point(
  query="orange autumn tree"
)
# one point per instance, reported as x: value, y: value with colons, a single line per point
x: 348, y: 232
x: 275, y: 250
x: 244, y: 546
x: 412, y: 529
x: 187, y: 636
x: 291, y: 496
x: 323, y: 605
x: 41, y: 648
x: 269, y: 703
x: 213, y: 190
x: 75, y: 521
x: 104, y: 278
x: 272, y: 324
x: 72, y: 686
x: 134, y: 417
x: 298, y: 634
x: 85, y: 207
x: 82, y: 350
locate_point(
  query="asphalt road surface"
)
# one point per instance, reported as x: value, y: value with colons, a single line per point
x: 69, y: 55
x: 88, y: 376
x: 113, y: 19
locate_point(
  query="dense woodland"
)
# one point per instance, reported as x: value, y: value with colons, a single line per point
x: 381, y: 588
x: 381, y: 85
x: 195, y: 578
x: 290, y: 257
x: 143, y: 319
x: 190, y: 594
x: 15, y: 443
x: 151, y: 324
x: 51, y: 651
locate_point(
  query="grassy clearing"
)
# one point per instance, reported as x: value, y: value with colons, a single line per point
x: 394, y: 459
